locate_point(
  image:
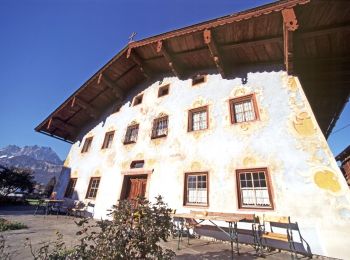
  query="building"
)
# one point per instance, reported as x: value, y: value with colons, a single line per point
x: 229, y: 115
x: 344, y: 159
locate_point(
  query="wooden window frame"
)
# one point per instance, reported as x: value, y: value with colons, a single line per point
x: 199, y: 79
x: 137, y: 100
x: 87, y: 145
x: 106, y: 139
x: 185, y: 202
x: 126, y: 134
x: 249, y: 97
x: 162, y: 88
x: 268, y: 184
x: 89, y: 190
x: 70, y: 188
x: 154, y: 127
x: 190, y: 118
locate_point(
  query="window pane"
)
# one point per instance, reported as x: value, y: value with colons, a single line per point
x: 199, y: 120
x: 243, y: 110
x: 160, y: 127
x: 254, y: 191
x: 197, y: 189
x: 261, y: 175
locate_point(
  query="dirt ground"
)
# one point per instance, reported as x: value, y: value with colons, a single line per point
x: 43, y: 228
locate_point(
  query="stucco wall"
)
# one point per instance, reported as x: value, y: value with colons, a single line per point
x: 306, y: 182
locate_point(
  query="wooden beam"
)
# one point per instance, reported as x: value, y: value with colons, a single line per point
x: 252, y: 43
x: 131, y: 54
x: 58, y: 123
x: 173, y: 64
x: 214, y: 51
x: 290, y: 24
x: 91, y: 111
x: 118, y: 92
x: 343, y: 28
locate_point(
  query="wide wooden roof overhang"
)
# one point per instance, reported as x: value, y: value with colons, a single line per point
x: 310, y: 38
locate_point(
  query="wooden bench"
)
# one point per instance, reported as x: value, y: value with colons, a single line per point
x: 281, y: 235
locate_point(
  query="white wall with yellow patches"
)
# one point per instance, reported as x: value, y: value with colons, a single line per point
x: 306, y: 182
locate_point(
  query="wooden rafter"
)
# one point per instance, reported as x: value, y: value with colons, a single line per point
x: 89, y: 109
x: 214, y: 51
x: 131, y: 54
x: 58, y: 123
x: 117, y: 90
x: 290, y: 24
x: 173, y: 64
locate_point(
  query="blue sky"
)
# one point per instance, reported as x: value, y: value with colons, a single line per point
x: 49, y: 48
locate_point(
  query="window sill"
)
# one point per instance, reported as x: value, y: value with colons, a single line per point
x: 130, y: 142
x: 256, y: 208
x: 196, y: 131
x: 245, y: 122
x: 196, y: 206
x: 158, y: 136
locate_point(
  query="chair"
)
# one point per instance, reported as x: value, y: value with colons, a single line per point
x: 78, y: 208
x: 67, y: 206
x: 281, y: 235
x: 82, y: 209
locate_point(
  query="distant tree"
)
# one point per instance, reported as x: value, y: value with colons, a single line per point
x: 14, y: 179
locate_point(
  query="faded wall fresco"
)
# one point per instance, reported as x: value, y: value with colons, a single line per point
x: 306, y: 182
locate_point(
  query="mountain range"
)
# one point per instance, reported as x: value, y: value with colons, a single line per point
x: 43, y: 161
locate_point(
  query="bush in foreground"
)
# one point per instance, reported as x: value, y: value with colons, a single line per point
x: 133, y: 233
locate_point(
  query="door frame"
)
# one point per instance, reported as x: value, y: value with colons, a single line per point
x: 135, y: 172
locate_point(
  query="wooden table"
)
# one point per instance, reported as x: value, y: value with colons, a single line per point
x: 231, y: 220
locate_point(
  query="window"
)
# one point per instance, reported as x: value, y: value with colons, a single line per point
x: 93, y: 188
x: 160, y: 127
x: 163, y: 91
x: 87, y: 145
x: 196, y: 189
x: 198, y: 119
x: 253, y: 188
x: 243, y: 109
x: 137, y: 164
x: 107, y: 142
x: 200, y: 78
x: 138, y: 100
x: 70, y: 188
x: 131, y: 134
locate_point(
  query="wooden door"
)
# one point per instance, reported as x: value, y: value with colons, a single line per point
x: 137, y: 188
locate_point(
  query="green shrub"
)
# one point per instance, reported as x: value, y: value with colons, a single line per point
x: 8, y: 225
x: 134, y: 232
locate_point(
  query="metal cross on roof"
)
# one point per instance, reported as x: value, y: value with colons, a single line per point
x: 131, y: 37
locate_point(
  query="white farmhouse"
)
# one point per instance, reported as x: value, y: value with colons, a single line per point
x: 229, y: 115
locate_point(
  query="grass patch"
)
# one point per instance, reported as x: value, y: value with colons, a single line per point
x: 8, y: 225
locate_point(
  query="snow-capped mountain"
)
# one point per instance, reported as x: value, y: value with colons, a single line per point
x: 43, y: 161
